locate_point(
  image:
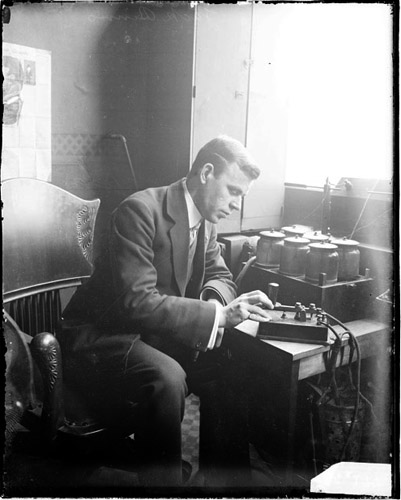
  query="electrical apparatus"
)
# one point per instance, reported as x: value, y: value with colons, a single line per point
x: 269, y: 247
x: 322, y: 259
x: 296, y: 324
x: 346, y: 300
x: 293, y: 256
x: 295, y: 230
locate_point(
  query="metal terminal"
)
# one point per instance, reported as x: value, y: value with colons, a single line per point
x: 312, y: 310
x: 299, y: 312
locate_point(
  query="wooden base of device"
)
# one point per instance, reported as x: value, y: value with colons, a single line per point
x: 289, y: 329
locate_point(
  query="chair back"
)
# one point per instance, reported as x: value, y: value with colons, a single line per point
x: 48, y: 238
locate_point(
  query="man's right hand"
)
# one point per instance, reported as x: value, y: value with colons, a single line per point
x: 251, y: 305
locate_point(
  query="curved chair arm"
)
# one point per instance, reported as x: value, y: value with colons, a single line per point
x: 46, y: 352
x: 19, y: 376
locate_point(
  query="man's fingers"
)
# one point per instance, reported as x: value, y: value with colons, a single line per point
x: 257, y: 297
x: 260, y: 319
x: 253, y: 293
x: 256, y: 311
x: 251, y: 305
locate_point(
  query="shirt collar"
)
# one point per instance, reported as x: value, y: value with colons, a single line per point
x: 194, y: 216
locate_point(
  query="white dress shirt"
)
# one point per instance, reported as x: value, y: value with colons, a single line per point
x: 195, y: 219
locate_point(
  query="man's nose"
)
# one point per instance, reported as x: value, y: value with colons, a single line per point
x: 235, y: 204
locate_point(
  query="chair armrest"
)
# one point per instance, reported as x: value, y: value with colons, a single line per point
x: 46, y: 352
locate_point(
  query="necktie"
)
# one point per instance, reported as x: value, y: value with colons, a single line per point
x: 193, y: 239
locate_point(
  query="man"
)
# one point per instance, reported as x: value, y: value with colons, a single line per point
x: 161, y: 293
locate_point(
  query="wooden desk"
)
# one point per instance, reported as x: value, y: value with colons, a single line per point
x: 290, y: 362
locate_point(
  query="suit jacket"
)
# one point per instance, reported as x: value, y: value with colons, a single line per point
x: 140, y: 285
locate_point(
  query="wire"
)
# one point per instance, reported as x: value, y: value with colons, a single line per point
x: 335, y: 351
x: 313, y: 441
x: 244, y: 270
x: 313, y: 211
x: 357, y: 402
x: 359, y: 395
x: 363, y: 208
x: 338, y: 338
x: 373, y: 221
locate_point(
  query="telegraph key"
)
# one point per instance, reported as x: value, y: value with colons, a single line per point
x: 294, y: 323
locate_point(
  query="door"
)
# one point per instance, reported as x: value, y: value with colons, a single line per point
x: 266, y: 134
x: 240, y: 90
x: 221, y: 74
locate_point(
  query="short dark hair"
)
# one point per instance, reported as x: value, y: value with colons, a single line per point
x: 223, y: 151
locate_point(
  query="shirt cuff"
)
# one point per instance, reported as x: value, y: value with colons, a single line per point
x: 213, y: 336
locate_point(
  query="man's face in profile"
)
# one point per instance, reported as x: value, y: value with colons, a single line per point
x: 222, y: 193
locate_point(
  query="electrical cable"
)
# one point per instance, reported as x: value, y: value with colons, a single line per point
x: 363, y: 208
x: 318, y: 207
x: 357, y: 402
x: 373, y: 221
x: 313, y: 442
x: 244, y: 270
x: 353, y: 344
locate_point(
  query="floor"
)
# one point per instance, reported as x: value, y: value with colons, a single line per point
x: 190, y: 432
x: 30, y: 473
x: 262, y: 473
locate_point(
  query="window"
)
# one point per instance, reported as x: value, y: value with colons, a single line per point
x: 337, y: 71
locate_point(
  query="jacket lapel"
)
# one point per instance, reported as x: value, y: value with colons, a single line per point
x: 179, y: 232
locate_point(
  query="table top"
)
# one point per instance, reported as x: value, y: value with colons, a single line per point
x: 365, y: 330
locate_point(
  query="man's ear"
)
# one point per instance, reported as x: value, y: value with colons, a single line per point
x: 206, y: 171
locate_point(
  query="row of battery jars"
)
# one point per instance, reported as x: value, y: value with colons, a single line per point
x: 301, y: 252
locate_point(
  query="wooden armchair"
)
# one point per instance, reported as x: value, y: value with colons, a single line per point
x: 48, y: 237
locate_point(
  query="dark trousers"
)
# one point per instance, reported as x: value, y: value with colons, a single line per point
x: 144, y: 392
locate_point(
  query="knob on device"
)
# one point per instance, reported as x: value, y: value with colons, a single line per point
x: 272, y: 292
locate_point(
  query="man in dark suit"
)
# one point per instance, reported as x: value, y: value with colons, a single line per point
x: 161, y: 293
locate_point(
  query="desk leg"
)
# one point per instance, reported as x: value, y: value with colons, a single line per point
x: 273, y: 383
x: 291, y: 412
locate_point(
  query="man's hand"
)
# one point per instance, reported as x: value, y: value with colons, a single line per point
x: 249, y: 305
